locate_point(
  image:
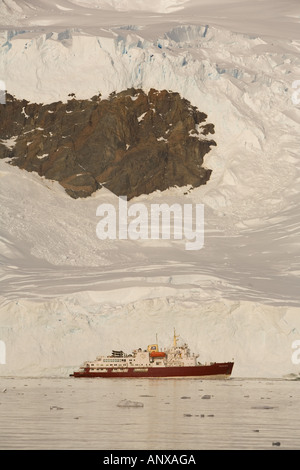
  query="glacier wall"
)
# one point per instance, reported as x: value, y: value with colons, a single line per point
x: 66, y: 297
x: 54, y: 337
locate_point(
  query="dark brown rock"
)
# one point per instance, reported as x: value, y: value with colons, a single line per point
x: 132, y: 143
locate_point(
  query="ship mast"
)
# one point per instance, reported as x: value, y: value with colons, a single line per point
x: 175, y: 339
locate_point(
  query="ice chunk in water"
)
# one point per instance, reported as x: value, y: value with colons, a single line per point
x: 130, y: 404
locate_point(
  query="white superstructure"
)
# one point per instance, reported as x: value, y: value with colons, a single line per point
x: 175, y: 356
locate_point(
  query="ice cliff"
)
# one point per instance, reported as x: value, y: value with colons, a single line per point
x: 66, y: 296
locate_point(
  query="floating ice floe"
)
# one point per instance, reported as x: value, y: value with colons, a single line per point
x: 130, y: 404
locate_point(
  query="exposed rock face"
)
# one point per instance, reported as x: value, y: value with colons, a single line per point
x: 132, y: 143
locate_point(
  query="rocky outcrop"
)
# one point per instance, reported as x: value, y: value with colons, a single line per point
x: 132, y: 143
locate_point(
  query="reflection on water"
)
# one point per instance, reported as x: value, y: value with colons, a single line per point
x: 69, y: 413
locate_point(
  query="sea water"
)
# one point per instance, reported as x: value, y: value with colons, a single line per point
x: 148, y: 414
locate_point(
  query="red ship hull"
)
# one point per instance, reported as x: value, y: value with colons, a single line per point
x: 216, y: 370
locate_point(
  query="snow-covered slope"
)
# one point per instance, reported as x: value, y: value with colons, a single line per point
x: 66, y: 295
x: 158, y: 6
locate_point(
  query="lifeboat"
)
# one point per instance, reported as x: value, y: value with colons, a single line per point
x: 157, y: 354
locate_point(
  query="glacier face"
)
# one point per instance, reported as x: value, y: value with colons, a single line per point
x: 65, y: 295
x: 158, y: 6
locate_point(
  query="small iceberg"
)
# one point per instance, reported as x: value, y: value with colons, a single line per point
x: 130, y: 404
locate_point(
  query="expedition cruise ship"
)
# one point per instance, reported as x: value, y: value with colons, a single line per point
x: 176, y: 361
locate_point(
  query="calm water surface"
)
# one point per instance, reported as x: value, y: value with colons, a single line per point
x: 191, y: 414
